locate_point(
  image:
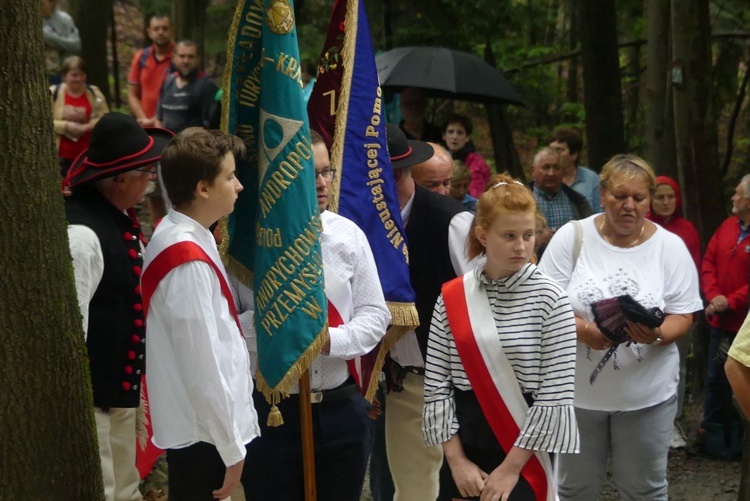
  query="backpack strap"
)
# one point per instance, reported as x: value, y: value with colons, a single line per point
x: 144, y: 56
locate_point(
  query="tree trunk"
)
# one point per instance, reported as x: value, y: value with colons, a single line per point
x: 601, y: 81
x: 503, y: 147
x: 189, y: 21
x: 573, y: 40
x: 93, y: 18
x: 659, y: 147
x: 49, y: 447
x: 697, y: 158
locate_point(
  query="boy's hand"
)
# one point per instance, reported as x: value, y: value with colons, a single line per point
x: 231, y: 480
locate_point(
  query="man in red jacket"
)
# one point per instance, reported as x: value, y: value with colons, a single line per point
x: 724, y: 281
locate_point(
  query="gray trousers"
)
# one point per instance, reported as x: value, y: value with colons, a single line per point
x: 683, y: 347
x: 639, y: 443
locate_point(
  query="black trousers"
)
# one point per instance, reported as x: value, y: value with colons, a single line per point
x: 196, y: 471
x: 342, y: 436
x: 481, y: 448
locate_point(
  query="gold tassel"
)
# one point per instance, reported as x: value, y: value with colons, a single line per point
x: 274, y: 417
x: 282, y: 389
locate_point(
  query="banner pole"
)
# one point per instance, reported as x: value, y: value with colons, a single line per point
x: 308, y: 446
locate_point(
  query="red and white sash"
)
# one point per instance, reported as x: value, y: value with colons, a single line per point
x: 156, y: 269
x: 340, y: 311
x: 168, y: 256
x: 491, y: 375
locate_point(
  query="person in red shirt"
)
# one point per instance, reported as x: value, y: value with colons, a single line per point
x: 724, y: 272
x: 76, y: 108
x: 148, y: 69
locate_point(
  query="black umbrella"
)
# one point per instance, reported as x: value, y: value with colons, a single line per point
x: 444, y: 72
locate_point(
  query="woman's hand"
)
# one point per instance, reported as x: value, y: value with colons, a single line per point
x: 593, y: 337
x: 469, y: 478
x: 499, y: 485
x: 504, y: 478
x: 642, y: 334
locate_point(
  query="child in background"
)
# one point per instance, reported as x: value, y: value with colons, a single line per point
x: 460, y: 185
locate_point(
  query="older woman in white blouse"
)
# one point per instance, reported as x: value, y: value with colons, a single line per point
x: 629, y: 409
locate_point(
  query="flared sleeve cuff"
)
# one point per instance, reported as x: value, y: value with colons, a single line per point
x: 439, y: 421
x: 550, y: 429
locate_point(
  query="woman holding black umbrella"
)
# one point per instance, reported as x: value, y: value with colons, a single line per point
x: 456, y: 136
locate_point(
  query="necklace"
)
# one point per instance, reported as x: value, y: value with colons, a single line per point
x: 601, y: 232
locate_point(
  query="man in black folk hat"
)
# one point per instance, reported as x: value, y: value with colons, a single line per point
x: 106, y: 245
x: 436, y: 229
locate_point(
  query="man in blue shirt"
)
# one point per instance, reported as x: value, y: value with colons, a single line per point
x: 568, y: 143
x: 557, y: 202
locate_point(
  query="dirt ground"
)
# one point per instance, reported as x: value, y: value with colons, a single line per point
x: 691, y: 477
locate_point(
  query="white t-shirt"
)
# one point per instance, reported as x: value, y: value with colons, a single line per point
x: 659, y: 272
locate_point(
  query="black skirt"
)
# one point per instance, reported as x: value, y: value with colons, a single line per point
x: 480, y: 446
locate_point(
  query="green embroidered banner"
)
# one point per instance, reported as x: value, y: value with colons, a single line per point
x: 274, y: 231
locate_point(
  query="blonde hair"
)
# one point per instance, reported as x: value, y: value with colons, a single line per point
x: 460, y: 171
x: 623, y: 168
x: 503, y: 196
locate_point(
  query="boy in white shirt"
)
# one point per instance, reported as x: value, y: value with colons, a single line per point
x: 200, y: 386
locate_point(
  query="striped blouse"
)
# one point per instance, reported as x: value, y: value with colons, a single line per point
x: 536, y: 328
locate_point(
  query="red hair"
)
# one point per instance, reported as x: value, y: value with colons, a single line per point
x: 504, y: 195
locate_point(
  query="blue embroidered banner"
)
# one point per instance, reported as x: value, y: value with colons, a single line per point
x: 348, y: 112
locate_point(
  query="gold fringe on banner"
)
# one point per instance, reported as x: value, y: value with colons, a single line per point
x: 342, y: 110
x: 286, y: 385
x: 403, y: 314
x: 237, y: 269
x: 392, y: 336
x: 226, y: 80
x: 405, y: 318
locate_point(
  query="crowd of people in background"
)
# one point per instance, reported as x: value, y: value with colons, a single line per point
x: 512, y: 367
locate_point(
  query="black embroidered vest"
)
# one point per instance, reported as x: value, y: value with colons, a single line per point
x: 116, y: 328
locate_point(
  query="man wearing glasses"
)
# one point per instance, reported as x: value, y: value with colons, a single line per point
x: 357, y: 317
x: 106, y: 244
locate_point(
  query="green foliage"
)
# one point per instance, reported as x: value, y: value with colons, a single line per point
x: 152, y: 7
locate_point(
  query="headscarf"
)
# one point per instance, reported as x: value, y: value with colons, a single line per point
x: 676, y: 223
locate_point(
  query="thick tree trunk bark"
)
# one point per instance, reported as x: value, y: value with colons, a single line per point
x: 697, y: 158
x: 601, y: 81
x: 659, y: 148
x: 49, y: 448
x: 506, y: 156
x: 93, y: 18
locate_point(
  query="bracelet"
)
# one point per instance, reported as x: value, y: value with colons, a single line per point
x: 659, y: 337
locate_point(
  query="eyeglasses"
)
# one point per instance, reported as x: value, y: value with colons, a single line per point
x: 151, y: 171
x: 328, y: 173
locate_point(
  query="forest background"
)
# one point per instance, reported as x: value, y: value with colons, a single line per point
x: 664, y: 80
